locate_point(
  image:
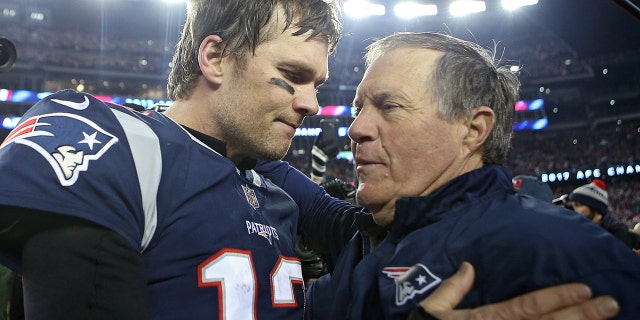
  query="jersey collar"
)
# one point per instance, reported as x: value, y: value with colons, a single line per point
x: 221, y: 147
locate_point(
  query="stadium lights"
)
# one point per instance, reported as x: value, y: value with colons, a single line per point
x: 515, y: 4
x: 464, y: 7
x: 363, y: 8
x: 409, y: 10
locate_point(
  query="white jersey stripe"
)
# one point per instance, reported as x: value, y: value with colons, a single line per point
x: 148, y: 160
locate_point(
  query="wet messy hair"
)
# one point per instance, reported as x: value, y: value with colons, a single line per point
x: 466, y: 76
x: 243, y: 25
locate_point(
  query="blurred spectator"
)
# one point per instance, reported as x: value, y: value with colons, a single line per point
x: 591, y: 201
x: 570, y: 151
x: 532, y: 186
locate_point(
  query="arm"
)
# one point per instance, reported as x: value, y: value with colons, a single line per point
x: 73, y: 268
x: 569, y: 301
x: 621, y: 231
x: 326, y: 224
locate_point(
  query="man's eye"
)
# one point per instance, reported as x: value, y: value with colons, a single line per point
x: 388, y: 106
x: 294, y: 77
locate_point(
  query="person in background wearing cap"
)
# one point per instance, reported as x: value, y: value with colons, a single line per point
x: 532, y: 186
x: 592, y: 201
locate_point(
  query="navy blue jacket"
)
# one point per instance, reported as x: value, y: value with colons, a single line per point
x: 516, y: 244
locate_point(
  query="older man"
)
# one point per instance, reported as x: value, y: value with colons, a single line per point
x: 432, y: 129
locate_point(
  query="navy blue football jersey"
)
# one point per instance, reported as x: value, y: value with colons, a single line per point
x: 217, y: 242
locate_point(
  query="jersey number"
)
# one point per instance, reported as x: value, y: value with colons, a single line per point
x: 232, y: 271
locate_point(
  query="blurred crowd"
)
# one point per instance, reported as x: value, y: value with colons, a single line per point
x: 82, y: 50
x: 73, y: 50
x: 605, y: 146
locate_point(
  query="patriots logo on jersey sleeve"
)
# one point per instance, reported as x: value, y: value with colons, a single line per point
x: 411, y: 281
x: 67, y: 141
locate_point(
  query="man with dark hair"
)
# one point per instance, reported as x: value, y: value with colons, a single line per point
x: 111, y: 213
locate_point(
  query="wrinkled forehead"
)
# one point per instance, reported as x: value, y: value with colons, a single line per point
x: 405, y: 65
x: 402, y: 72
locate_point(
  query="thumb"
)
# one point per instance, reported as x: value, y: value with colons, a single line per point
x: 451, y: 291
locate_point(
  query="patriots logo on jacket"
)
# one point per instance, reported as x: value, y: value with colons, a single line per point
x: 67, y: 141
x: 411, y: 281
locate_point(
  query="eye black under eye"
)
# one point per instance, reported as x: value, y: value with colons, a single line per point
x: 282, y: 84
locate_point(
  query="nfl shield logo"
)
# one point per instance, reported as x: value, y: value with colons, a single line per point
x: 251, y: 197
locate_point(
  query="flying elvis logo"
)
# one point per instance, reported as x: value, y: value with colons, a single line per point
x: 411, y: 281
x: 67, y: 141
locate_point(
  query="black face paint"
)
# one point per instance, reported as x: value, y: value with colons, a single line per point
x: 282, y: 84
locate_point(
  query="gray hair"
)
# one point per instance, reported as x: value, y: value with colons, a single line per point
x: 243, y: 25
x: 467, y: 76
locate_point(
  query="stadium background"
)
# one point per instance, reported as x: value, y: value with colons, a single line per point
x: 580, y: 65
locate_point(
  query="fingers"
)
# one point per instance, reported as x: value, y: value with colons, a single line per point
x: 563, y: 302
x: 451, y: 291
x: 569, y: 301
x: 599, y: 308
x: 546, y: 300
x: 535, y: 304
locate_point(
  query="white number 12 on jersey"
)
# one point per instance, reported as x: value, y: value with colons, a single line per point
x: 232, y: 271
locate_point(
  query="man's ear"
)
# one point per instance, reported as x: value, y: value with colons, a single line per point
x: 210, y: 58
x: 481, y: 122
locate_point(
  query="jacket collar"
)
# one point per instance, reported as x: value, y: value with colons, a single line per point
x: 414, y: 212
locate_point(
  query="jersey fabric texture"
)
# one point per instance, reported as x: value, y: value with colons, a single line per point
x: 516, y: 244
x: 217, y: 241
